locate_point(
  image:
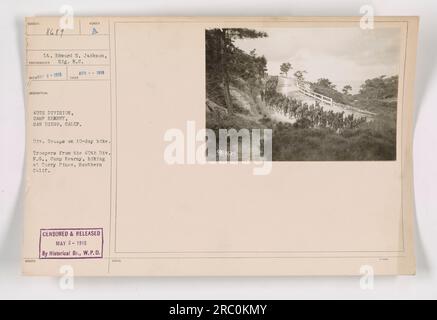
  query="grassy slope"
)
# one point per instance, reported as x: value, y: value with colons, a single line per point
x: 292, y: 142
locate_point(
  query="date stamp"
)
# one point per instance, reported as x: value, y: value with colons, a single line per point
x: 74, y: 243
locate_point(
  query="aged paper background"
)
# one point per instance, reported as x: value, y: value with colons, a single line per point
x: 193, y: 219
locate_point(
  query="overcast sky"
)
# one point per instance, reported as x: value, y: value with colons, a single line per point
x: 343, y: 55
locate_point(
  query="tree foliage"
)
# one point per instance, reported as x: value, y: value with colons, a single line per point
x: 346, y: 89
x: 285, y: 68
x: 379, y: 88
x: 300, y: 74
x: 225, y: 62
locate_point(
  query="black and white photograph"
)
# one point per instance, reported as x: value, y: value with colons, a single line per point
x: 327, y: 94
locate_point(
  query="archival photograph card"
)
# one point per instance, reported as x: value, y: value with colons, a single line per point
x: 219, y: 146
